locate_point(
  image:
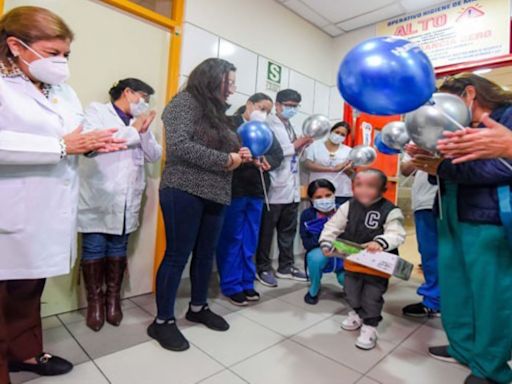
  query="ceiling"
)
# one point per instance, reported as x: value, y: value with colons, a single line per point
x: 336, y: 17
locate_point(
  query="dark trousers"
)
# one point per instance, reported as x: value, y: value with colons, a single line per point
x: 237, y: 245
x: 282, y: 217
x: 365, y: 294
x: 21, y: 335
x: 192, y: 225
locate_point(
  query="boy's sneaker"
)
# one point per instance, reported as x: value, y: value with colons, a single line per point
x: 267, y: 278
x: 238, y: 299
x: 168, y: 335
x: 441, y: 353
x: 367, y: 338
x: 251, y: 295
x: 420, y: 310
x: 293, y: 274
x: 352, y: 322
x: 207, y: 317
x: 309, y: 299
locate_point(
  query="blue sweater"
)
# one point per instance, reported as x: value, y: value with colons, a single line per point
x: 477, y: 181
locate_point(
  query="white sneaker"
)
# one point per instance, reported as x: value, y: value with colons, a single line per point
x: 352, y: 322
x: 367, y: 338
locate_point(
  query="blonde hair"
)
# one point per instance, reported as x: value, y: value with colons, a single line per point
x: 31, y: 24
x: 489, y: 94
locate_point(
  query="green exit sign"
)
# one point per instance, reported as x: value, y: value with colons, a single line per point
x: 274, y: 74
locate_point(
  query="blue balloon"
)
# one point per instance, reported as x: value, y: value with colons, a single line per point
x: 383, y: 148
x: 257, y: 136
x: 386, y: 76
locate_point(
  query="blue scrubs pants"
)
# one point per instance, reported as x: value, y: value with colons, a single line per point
x: 238, y: 243
x: 426, y: 234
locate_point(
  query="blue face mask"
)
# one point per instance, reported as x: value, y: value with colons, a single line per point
x: 289, y: 112
x: 325, y: 205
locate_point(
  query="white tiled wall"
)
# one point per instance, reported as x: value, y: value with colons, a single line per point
x: 317, y: 97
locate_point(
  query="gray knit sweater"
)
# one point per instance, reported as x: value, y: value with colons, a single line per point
x: 191, y: 166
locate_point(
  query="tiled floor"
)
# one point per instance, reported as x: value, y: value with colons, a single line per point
x: 280, y: 340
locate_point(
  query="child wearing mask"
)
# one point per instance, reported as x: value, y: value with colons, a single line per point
x: 326, y: 158
x: 377, y: 224
x: 321, y: 193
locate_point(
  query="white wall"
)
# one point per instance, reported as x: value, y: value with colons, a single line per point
x: 200, y: 44
x: 266, y: 27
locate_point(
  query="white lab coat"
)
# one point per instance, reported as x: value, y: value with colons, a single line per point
x: 111, y: 185
x: 284, y: 184
x: 38, y: 189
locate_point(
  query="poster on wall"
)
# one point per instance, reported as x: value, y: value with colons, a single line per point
x: 456, y: 31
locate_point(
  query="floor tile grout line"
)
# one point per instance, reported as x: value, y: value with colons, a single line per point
x: 327, y: 357
x: 85, y: 351
x: 392, y: 350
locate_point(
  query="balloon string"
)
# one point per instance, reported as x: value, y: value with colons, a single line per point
x: 343, y: 170
x: 404, y: 181
x: 460, y: 126
x: 264, y: 189
x: 439, y: 198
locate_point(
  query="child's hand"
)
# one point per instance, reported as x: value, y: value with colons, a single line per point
x: 373, y: 246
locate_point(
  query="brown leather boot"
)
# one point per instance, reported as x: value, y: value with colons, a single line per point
x: 94, y: 272
x: 115, y: 273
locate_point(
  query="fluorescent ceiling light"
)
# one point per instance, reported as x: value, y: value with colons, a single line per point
x: 482, y: 71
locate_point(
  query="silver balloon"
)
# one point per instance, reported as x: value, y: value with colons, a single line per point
x: 394, y: 135
x: 362, y: 155
x: 316, y: 126
x: 426, y: 124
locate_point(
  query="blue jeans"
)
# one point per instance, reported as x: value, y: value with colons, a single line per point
x: 318, y: 264
x: 192, y: 225
x: 238, y: 243
x: 426, y: 235
x: 97, y: 246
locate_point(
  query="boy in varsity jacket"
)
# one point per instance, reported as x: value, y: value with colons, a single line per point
x: 377, y: 224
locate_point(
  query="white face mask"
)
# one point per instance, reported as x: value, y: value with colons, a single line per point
x: 53, y: 70
x: 336, y: 138
x: 138, y: 108
x: 258, y: 115
x: 325, y: 205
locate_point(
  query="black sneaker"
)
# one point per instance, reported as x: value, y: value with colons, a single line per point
x: 441, y: 353
x: 251, y: 295
x: 168, y: 336
x: 472, y: 379
x: 46, y: 365
x: 238, y: 299
x: 419, y: 310
x: 312, y: 300
x: 207, y: 317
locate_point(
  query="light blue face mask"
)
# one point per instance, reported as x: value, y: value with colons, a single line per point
x: 289, y: 112
x: 325, y: 205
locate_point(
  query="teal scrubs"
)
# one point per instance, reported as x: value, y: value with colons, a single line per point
x: 475, y: 278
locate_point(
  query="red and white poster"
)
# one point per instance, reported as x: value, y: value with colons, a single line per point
x: 456, y: 31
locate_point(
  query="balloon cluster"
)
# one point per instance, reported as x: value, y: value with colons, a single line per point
x: 392, y: 76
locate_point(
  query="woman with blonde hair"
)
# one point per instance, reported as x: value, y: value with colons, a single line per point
x: 40, y: 134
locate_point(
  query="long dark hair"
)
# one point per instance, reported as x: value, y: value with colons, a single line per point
x: 134, y: 84
x: 488, y: 94
x: 320, y: 183
x: 205, y: 84
x: 257, y: 97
